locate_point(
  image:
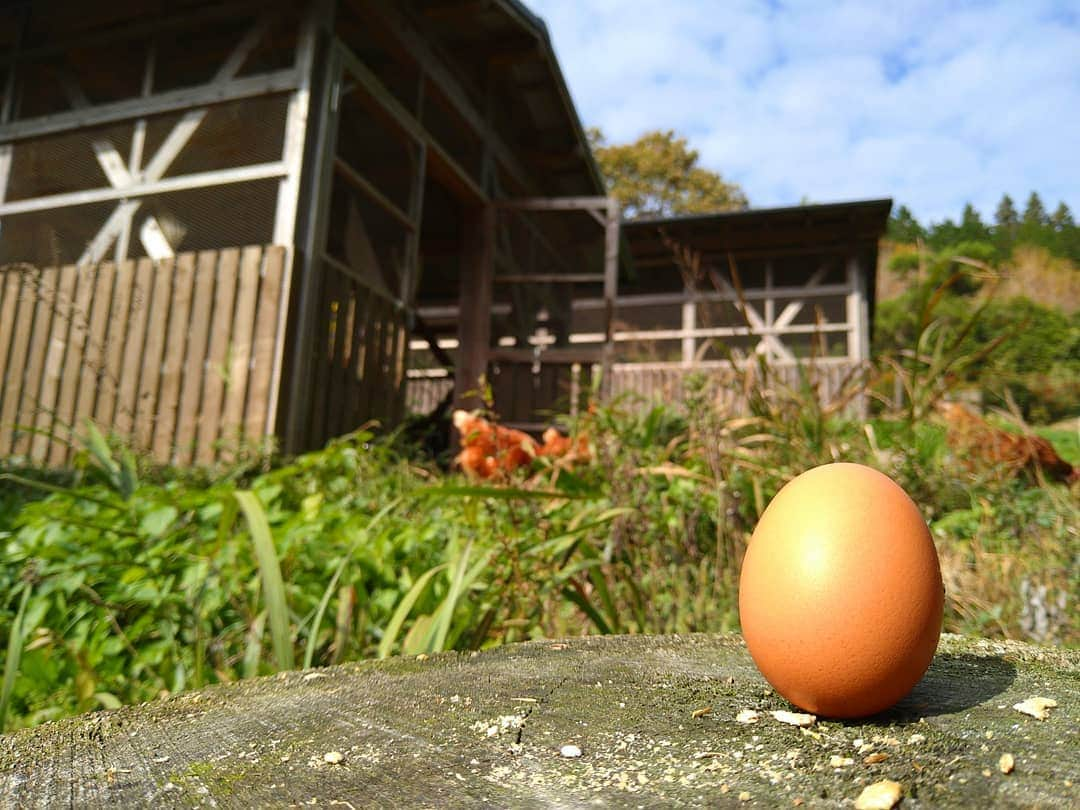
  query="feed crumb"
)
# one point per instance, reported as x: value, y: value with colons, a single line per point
x: 333, y: 757
x: 744, y: 796
x: 873, y: 759
x: 836, y: 761
x: 747, y: 716
x: 1037, y: 707
x: 879, y: 796
x: 1006, y: 764
x: 915, y: 739
x: 795, y: 718
x: 570, y: 751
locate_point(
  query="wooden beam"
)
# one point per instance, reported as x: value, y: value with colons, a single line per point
x: 289, y: 199
x: 611, y: 285
x: 474, y: 326
x: 599, y: 204
x: 187, y: 19
x: 554, y: 278
x: 441, y: 166
x: 220, y: 177
x: 446, y: 84
x: 366, y: 187
x: 206, y: 95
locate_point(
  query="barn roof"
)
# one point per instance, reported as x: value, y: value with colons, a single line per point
x: 486, y: 45
x: 845, y: 227
x: 532, y: 104
x: 796, y: 226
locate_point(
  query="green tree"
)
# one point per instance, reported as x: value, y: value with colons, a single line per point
x: 903, y: 227
x: 1035, y: 211
x: 1006, y: 224
x: 972, y: 227
x: 659, y: 175
x: 1062, y: 218
x: 1065, y: 236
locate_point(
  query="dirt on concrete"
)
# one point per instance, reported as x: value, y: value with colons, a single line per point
x: 623, y: 721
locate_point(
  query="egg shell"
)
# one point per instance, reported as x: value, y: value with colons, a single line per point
x: 840, y: 595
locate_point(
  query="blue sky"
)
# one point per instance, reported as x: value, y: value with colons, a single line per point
x: 931, y: 103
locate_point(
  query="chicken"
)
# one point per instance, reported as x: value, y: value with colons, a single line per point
x: 492, y: 451
x: 973, y: 436
x: 489, y: 450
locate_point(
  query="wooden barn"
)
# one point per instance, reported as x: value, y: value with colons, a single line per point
x: 697, y: 294
x: 219, y: 219
x: 795, y: 285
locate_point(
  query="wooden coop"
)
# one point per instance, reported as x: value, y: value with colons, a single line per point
x: 708, y: 293
x: 701, y: 294
x: 222, y: 221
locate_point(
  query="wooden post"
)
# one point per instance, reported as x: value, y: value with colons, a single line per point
x: 310, y: 242
x: 7, y: 107
x: 853, y: 309
x: 858, y: 317
x: 689, y: 323
x: 288, y: 202
x: 474, y: 324
x: 611, y: 287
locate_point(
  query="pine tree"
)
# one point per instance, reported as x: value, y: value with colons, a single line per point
x: 1062, y: 218
x: 1006, y: 223
x: 1005, y: 216
x: 972, y: 227
x: 903, y: 227
x: 1035, y: 212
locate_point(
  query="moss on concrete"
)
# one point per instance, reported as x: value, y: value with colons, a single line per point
x: 654, y: 718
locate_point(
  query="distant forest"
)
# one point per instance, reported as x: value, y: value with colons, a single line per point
x: 1057, y: 232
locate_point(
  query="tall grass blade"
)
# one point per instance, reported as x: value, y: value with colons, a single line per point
x: 462, y: 579
x: 270, y: 571
x: 405, y: 606
x: 316, y: 622
x: 14, y: 655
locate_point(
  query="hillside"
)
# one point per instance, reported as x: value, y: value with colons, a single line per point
x: 1031, y: 271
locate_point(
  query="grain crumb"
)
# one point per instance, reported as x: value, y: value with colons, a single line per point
x: 879, y: 796
x: 1007, y: 763
x: 795, y: 718
x: 1037, y: 707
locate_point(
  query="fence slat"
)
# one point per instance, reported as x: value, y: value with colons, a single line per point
x: 195, y: 368
x: 36, y: 351
x: 95, y: 350
x: 128, y: 373
x: 49, y: 388
x: 217, y: 356
x: 9, y: 385
x: 173, y: 363
x: 356, y: 351
x: 243, y: 331
x: 335, y: 384
x: 116, y: 335
x: 150, y: 375
x: 63, y: 434
x: 266, y: 326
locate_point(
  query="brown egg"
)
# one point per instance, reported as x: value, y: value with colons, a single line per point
x: 840, y: 597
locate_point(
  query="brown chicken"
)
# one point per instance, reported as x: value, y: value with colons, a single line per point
x: 491, y: 451
x: 980, y: 441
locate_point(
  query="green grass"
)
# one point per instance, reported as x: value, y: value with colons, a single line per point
x: 120, y: 582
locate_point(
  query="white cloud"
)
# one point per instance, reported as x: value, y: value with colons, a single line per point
x: 933, y: 104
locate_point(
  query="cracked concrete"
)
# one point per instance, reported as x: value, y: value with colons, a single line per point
x: 654, y: 718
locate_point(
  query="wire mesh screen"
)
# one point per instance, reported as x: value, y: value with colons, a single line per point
x: 228, y: 136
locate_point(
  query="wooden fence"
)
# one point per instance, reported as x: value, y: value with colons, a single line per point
x: 727, y: 387
x: 179, y: 357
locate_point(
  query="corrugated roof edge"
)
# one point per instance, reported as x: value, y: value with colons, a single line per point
x: 885, y: 203
x: 528, y: 18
